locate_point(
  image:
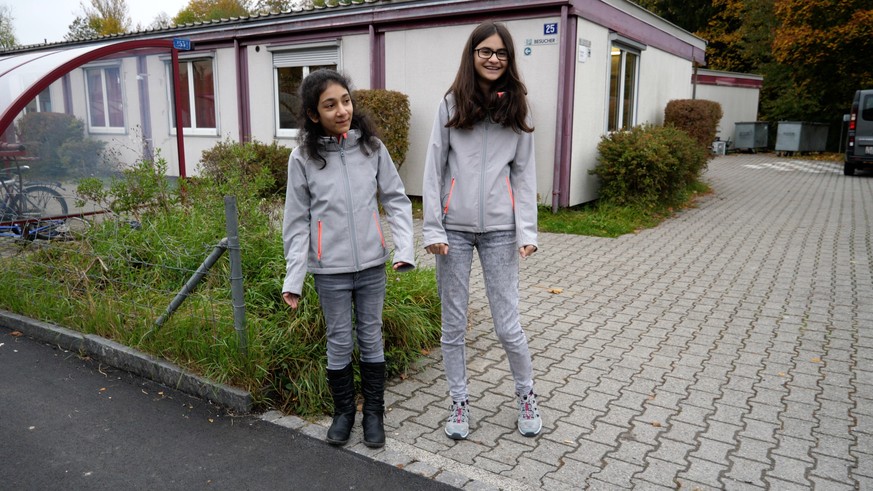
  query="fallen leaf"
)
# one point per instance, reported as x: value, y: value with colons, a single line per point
x: 211, y: 421
x: 656, y: 424
x: 816, y: 360
x: 781, y: 374
x: 556, y: 290
x: 16, y: 333
x: 103, y: 389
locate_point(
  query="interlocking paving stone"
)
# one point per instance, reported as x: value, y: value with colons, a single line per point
x: 728, y: 348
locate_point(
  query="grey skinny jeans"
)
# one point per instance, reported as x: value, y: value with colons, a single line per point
x: 498, y: 255
x: 340, y: 294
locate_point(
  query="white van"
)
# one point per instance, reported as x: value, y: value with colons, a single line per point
x: 859, y: 146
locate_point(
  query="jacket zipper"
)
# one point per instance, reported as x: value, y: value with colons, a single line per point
x: 350, y: 204
x: 482, y: 179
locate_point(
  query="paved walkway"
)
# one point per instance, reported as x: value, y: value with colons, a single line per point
x: 731, y: 347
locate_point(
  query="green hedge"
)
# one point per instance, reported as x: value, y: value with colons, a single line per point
x: 648, y: 165
x: 251, y: 159
x: 390, y: 111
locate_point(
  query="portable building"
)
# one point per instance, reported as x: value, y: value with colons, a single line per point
x: 590, y: 66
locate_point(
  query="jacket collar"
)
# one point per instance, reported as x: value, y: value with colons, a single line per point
x: 332, y: 144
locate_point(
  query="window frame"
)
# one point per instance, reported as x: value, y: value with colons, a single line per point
x: 625, y: 117
x: 304, y: 56
x: 39, y: 103
x: 107, y: 129
x: 193, y: 129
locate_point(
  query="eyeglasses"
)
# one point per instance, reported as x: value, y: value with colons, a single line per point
x: 486, y: 53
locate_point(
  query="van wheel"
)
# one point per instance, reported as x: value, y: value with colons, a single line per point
x: 848, y: 169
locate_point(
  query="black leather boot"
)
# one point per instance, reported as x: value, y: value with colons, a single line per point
x: 342, y: 388
x: 373, y: 387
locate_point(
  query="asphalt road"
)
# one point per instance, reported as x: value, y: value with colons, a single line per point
x: 72, y: 423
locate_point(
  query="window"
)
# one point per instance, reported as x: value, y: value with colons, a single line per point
x: 289, y: 69
x: 41, y: 103
x: 105, y: 104
x: 196, y: 96
x: 623, y: 74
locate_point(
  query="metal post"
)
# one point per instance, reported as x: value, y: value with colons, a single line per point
x: 236, y: 277
x: 192, y: 282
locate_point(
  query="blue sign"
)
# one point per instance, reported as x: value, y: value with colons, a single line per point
x: 550, y: 29
x: 183, y: 44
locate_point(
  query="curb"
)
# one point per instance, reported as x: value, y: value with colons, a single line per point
x: 131, y: 360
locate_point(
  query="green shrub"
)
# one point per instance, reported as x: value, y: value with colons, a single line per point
x: 699, y: 118
x: 648, y: 165
x: 58, y: 141
x: 253, y: 159
x: 390, y: 111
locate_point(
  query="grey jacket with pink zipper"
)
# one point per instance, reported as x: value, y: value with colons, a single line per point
x: 478, y: 180
x: 331, y: 222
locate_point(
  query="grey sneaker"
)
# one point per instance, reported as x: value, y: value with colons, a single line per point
x: 529, y: 421
x: 458, y: 422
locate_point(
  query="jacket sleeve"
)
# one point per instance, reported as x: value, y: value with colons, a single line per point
x: 435, y: 165
x: 393, y: 197
x: 295, y: 226
x: 523, y: 176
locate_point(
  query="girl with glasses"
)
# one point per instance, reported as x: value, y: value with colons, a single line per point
x: 479, y: 193
x: 337, y: 177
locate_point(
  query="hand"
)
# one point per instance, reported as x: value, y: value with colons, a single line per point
x: 440, y: 249
x: 400, y: 265
x: 291, y: 299
x: 527, y: 250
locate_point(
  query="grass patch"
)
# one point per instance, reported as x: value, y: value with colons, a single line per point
x: 604, y: 219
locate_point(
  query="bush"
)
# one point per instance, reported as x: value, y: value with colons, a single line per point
x: 58, y: 141
x: 390, y: 111
x: 699, y: 118
x: 648, y: 165
x: 252, y: 160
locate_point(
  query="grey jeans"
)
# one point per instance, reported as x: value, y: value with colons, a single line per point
x: 498, y: 254
x: 341, y: 294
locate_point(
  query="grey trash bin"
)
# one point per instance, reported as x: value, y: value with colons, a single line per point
x: 797, y: 136
x: 750, y: 135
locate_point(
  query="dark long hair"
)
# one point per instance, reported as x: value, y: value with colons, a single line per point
x: 310, y: 132
x: 471, y: 104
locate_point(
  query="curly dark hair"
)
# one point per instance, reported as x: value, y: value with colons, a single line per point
x: 310, y: 91
x: 471, y: 104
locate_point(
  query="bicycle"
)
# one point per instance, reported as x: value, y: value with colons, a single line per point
x: 32, y: 210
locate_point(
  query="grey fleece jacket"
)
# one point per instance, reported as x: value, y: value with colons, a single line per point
x: 331, y: 222
x: 478, y: 180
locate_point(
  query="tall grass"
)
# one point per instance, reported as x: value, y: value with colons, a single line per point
x: 121, y: 278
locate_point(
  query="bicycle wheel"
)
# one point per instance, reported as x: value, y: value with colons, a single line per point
x: 43, y: 201
x: 72, y: 228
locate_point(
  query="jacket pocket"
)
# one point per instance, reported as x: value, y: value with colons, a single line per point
x: 318, y: 245
x: 449, y: 197
x: 379, y: 228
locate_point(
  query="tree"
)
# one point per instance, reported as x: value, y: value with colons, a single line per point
x: 81, y: 28
x: 268, y: 6
x: 101, y: 18
x: 7, y: 29
x: 206, y: 10
x: 824, y: 48
x: 691, y: 15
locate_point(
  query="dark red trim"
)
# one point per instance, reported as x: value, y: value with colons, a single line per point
x: 564, y: 112
x: 730, y: 81
x: 244, y: 92
x: 180, y: 138
x: 608, y: 16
